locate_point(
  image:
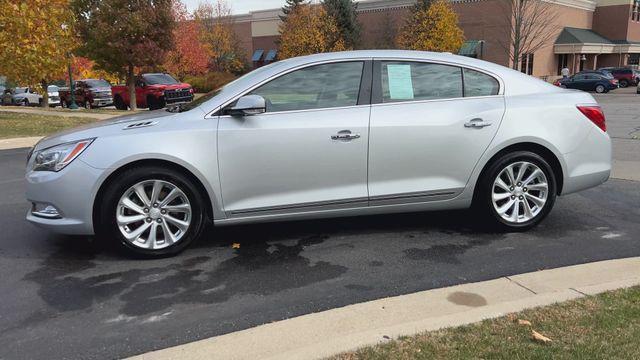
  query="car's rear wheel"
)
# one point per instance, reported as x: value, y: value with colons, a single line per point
x: 600, y: 89
x: 119, y: 103
x: 152, y: 211
x: 516, y: 192
x: 623, y: 83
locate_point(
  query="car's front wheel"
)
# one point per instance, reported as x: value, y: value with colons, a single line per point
x: 516, y: 192
x: 152, y: 211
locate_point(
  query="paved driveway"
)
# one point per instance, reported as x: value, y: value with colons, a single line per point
x: 67, y: 297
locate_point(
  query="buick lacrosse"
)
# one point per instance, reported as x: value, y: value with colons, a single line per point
x: 339, y: 134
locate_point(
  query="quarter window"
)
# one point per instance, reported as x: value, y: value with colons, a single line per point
x: 410, y: 81
x: 314, y: 87
x: 479, y: 84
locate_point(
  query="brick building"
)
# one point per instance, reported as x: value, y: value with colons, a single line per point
x: 587, y: 34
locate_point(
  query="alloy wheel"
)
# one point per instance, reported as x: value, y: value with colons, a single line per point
x: 153, y: 214
x: 519, y: 192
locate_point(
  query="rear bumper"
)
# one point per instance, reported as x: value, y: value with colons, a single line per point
x: 590, y: 164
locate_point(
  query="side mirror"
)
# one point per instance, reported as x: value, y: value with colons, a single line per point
x: 249, y: 105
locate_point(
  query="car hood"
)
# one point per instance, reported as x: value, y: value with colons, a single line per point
x: 102, y: 128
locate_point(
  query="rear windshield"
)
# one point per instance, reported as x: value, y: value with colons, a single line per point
x: 97, y: 83
x: 157, y: 79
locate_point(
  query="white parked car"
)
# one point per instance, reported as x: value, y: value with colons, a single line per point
x: 54, y: 95
x: 339, y: 134
x: 25, y: 96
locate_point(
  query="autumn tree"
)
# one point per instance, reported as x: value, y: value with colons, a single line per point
x: 528, y: 31
x: 120, y: 35
x: 189, y: 57
x: 218, y: 37
x: 344, y: 13
x: 83, y: 68
x: 432, y: 26
x: 309, y: 30
x: 35, y: 40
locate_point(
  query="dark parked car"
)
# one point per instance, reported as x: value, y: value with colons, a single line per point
x: 89, y: 93
x: 625, y: 76
x: 589, y: 81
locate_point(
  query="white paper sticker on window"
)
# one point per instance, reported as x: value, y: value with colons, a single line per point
x: 400, y: 84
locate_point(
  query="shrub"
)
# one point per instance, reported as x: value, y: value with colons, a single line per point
x: 209, y: 81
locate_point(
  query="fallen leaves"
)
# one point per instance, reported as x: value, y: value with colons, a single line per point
x: 539, y: 337
x: 524, y: 322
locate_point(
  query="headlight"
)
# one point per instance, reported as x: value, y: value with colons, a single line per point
x: 57, y: 157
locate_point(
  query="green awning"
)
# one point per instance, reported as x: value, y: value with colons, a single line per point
x: 470, y: 48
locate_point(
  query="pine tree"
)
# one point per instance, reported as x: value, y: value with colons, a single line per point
x: 289, y: 6
x: 344, y: 14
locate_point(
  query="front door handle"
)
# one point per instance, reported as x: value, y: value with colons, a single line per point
x: 345, y: 135
x: 477, y: 123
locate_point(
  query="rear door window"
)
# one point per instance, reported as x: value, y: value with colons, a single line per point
x: 479, y: 84
x: 414, y: 81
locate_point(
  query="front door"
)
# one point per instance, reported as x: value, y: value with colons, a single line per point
x: 307, y: 152
x: 428, y: 130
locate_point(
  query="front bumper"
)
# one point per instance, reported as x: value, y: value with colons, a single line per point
x: 102, y: 102
x: 71, y: 191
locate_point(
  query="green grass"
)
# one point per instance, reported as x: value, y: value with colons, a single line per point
x: 13, y: 125
x: 606, y: 326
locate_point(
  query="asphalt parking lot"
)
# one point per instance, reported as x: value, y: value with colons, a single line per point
x: 70, y: 297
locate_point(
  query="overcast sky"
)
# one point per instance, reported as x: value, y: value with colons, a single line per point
x: 240, y: 6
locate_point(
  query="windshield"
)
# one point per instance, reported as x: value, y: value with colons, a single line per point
x: 52, y: 88
x: 157, y: 79
x: 20, y: 90
x: 97, y: 83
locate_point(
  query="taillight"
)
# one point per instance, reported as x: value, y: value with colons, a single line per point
x: 595, y: 114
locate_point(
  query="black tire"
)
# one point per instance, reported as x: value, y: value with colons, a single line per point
x: 155, y: 103
x: 25, y: 102
x: 106, y: 224
x: 600, y: 89
x: 87, y: 105
x: 623, y: 83
x: 483, y: 201
x: 119, y: 103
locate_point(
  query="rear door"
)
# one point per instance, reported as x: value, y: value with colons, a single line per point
x: 307, y: 152
x: 428, y: 130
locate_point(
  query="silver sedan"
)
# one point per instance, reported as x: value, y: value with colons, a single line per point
x: 339, y: 134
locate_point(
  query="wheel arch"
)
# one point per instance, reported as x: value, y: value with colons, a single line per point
x: 547, y: 154
x: 97, y: 201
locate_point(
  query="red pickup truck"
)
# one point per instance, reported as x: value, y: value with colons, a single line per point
x: 89, y: 93
x: 153, y: 91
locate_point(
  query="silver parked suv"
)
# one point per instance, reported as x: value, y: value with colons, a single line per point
x: 338, y: 134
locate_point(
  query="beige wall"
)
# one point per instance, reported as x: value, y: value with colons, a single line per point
x: 545, y: 61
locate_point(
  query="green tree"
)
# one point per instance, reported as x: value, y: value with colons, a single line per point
x: 432, y: 26
x: 289, y: 6
x: 35, y: 41
x: 344, y: 13
x: 121, y: 35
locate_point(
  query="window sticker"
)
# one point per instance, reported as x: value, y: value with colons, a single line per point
x: 400, y: 84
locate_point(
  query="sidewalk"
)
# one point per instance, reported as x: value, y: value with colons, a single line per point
x: 15, y: 143
x: 330, y: 332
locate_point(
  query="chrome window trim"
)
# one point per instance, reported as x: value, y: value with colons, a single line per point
x: 302, y: 111
x: 437, y: 100
x: 211, y: 114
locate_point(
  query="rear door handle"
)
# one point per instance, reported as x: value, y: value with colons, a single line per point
x: 477, y: 123
x: 345, y: 135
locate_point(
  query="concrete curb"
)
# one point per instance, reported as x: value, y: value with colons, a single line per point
x: 330, y: 332
x: 16, y: 143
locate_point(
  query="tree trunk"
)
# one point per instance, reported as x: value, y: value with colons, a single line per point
x: 45, y: 95
x: 131, y: 82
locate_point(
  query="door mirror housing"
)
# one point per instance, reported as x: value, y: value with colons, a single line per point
x: 249, y: 105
